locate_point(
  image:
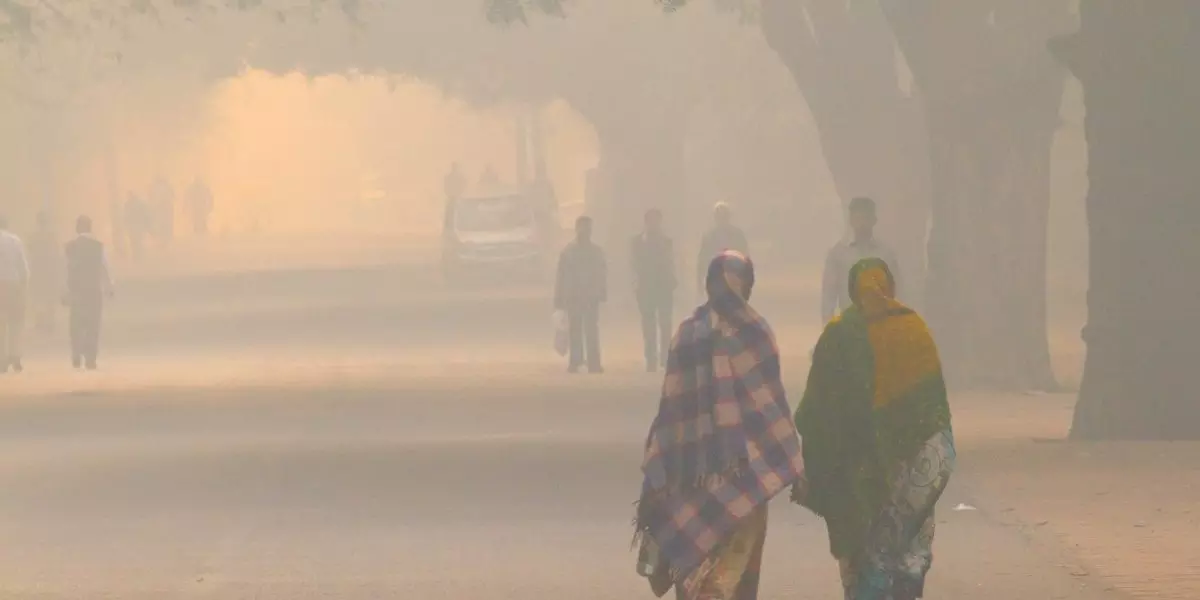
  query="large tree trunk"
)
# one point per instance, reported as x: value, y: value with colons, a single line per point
x: 992, y: 97
x: 645, y: 167
x: 987, y: 246
x: 641, y: 166
x: 1136, y: 61
x: 872, y: 132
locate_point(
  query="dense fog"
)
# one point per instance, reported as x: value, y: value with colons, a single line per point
x: 328, y: 353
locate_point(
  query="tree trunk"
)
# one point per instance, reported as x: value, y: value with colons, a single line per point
x: 872, y: 132
x: 987, y: 247
x: 641, y: 167
x: 992, y: 95
x: 642, y: 162
x: 1136, y: 61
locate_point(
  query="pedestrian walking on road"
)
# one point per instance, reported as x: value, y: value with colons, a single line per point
x: 724, y: 235
x: 89, y: 282
x: 580, y: 287
x: 14, y: 286
x: 878, y: 444
x: 654, y: 282
x: 722, y: 445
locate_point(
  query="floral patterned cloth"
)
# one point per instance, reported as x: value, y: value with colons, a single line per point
x: 899, y: 548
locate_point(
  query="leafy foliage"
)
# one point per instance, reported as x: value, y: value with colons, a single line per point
x: 507, y: 12
x: 53, y: 50
x: 30, y: 21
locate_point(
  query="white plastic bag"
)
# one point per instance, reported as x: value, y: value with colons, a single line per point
x: 561, y: 332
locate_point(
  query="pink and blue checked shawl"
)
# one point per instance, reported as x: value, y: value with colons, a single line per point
x: 723, y: 442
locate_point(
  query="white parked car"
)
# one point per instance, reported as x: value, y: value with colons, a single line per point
x: 492, y: 235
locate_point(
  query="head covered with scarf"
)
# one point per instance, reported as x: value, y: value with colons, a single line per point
x: 873, y: 288
x: 728, y: 284
x: 875, y: 394
x: 722, y: 443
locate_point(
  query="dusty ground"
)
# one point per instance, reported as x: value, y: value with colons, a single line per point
x: 362, y: 433
x: 1126, y: 512
x: 480, y: 485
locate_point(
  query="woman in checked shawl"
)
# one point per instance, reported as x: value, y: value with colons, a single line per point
x: 721, y: 446
x: 877, y: 440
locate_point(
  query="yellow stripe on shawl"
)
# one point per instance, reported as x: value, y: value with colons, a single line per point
x: 903, y: 348
x: 905, y: 355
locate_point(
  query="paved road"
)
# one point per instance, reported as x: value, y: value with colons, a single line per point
x: 347, y: 435
x: 480, y: 484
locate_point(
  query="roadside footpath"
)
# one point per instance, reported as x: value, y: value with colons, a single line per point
x: 1125, y: 514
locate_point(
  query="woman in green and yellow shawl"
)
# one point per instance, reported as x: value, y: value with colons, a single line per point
x: 878, y: 445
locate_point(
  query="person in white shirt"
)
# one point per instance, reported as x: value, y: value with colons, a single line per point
x: 835, y: 288
x: 14, y: 283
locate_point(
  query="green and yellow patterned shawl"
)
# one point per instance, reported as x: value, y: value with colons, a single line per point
x: 875, y: 394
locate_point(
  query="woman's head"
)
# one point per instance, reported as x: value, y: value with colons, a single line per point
x: 730, y: 280
x: 872, y: 285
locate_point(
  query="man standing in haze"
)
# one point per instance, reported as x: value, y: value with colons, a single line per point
x: 14, y: 283
x: 89, y: 281
x: 654, y: 282
x: 200, y: 204
x: 835, y: 293
x: 45, y: 280
x: 579, y: 289
x: 723, y: 236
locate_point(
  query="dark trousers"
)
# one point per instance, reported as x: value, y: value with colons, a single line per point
x: 657, y: 323
x: 85, y: 331
x: 584, y: 329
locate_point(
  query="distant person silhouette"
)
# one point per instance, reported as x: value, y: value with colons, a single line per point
x: 654, y: 280
x: 835, y: 294
x: 580, y: 287
x: 723, y: 236
x: 89, y: 281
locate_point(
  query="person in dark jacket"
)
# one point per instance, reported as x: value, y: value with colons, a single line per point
x: 723, y: 236
x: 579, y: 289
x: 654, y: 281
x: 88, y: 283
